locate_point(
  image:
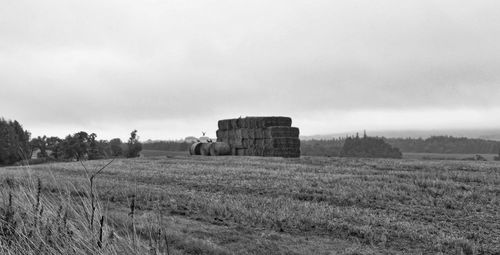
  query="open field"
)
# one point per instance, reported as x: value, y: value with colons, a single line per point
x: 445, y: 156
x: 310, y: 205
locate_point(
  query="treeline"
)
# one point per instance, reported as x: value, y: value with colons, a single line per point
x: 166, y: 145
x: 350, y: 147
x: 369, y: 147
x: 84, y: 146
x: 446, y: 144
x: 435, y: 144
x: 16, y: 145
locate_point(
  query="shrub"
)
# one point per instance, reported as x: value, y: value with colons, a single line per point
x: 116, y: 147
x: 134, y: 147
x: 14, y: 142
x: 369, y: 147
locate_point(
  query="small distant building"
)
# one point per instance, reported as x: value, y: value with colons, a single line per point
x: 191, y: 139
x: 205, y: 139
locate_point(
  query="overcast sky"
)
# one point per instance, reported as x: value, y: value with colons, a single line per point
x: 173, y: 68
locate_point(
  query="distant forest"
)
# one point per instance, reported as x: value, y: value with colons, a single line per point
x: 333, y: 147
x: 446, y: 144
x: 16, y: 146
x: 435, y: 144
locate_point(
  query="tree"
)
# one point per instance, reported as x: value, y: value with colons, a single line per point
x: 368, y: 147
x: 134, y: 147
x: 54, y: 144
x: 76, y: 146
x: 7, y: 144
x: 116, y: 147
x: 96, y: 149
x: 23, y: 138
x: 14, y: 142
x: 40, y: 143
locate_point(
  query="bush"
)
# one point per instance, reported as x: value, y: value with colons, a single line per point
x: 134, y: 147
x: 369, y: 147
x: 14, y: 142
x: 116, y: 147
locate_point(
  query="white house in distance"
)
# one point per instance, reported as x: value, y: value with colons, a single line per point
x: 190, y: 139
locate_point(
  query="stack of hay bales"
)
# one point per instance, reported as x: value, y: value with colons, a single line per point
x: 260, y: 136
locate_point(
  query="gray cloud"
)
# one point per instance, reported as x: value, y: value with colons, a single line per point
x: 116, y: 64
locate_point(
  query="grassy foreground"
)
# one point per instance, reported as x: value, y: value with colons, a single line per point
x: 250, y: 205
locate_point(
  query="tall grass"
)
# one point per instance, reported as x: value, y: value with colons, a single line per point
x: 66, y: 220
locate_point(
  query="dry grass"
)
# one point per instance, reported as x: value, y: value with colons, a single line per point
x: 248, y: 205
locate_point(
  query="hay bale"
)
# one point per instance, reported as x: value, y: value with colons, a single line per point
x: 233, y: 124
x: 280, y: 131
x: 263, y: 122
x: 231, y: 134
x: 240, y: 152
x: 245, y: 133
x: 223, y: 140
x: 237, y: 143
x: 205, y: 149
x: 247, y: 143
x: 254, y: 122
x: 258, y: 133
x: 220, y: 149
x: 224, y: 124
x: 259, y: 151
x: 260, y: 142
x: 239, y: 133
x: 250, y: 151
x: 220, y: 133
x: 195, y: 149
x: 250, y: 133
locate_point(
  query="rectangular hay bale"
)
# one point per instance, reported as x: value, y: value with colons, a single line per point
x: 263, y: 122
x: 280, y: 131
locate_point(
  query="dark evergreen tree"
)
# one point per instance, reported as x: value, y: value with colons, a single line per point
x: 116, y: 147
x: 23, y: 138
x: 368, y: 147
x: 14, y: 142
x: 134, y: 147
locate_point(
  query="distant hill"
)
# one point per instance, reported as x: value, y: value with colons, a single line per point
x: 486, y: 134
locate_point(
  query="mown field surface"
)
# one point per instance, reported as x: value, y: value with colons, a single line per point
x: 446, y: 156
x: 311, y: 205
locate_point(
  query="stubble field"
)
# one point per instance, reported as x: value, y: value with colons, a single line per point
x: 311, y: 205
